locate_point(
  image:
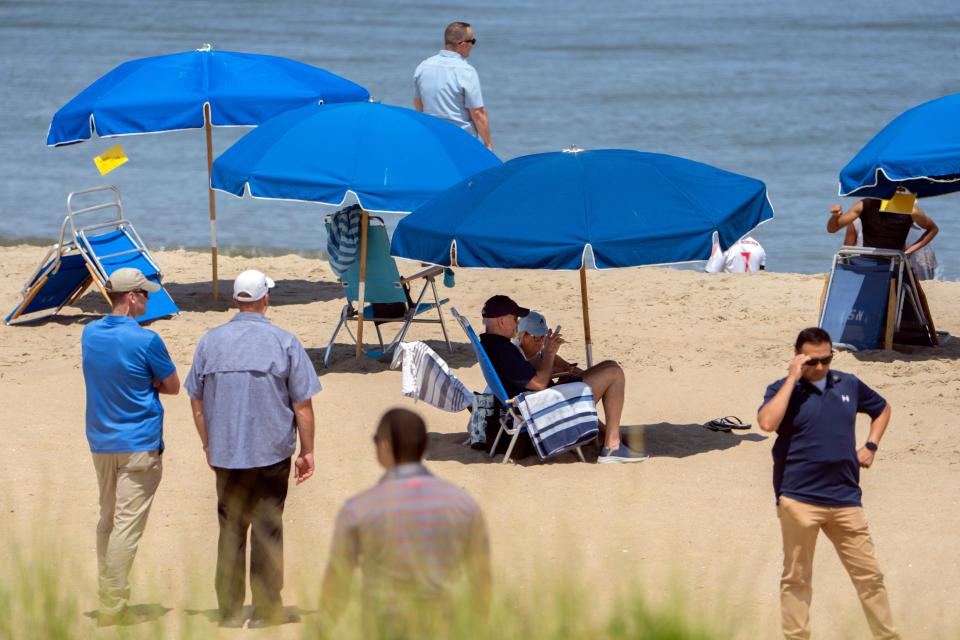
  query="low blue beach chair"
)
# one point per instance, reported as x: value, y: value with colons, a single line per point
x: 388, y: 297
x: 87, y: 254
x: 511, y: 420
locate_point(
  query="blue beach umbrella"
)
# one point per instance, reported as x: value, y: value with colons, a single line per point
x: 919, y: 150
x: 195, y: 90
x: 627, y: 208
x: 391, y: 159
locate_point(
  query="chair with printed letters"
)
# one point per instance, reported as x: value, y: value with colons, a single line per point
x: 388, y: 297
x: 581, y: 423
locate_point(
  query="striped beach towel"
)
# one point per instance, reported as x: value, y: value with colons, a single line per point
x: 343, y: 242
x: 426, y: 377
x: 560, y: 418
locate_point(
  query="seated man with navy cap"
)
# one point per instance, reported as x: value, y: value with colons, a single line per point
x: 501, y: 318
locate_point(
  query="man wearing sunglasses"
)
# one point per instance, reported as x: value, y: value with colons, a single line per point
x: 447, y: 86
x: 125, y: 368
x: 816, y: 479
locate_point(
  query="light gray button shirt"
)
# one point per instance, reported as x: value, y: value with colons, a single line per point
x: 448, y: 86
x: 249, y: 374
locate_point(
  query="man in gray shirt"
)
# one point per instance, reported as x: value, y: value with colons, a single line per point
x: 447, y: 86
x: 250, y: 388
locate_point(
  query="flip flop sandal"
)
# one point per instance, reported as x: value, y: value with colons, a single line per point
x: 715, y: 425
x: 727, y: 423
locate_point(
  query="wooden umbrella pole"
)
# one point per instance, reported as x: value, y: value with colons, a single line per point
x: 213, y: 201
x: 586, y: 315
x: 363, y: 280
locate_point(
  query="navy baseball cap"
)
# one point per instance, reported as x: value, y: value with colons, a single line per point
x: 499, y: 306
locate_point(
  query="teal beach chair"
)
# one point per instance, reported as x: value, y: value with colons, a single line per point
x: 388, y: 297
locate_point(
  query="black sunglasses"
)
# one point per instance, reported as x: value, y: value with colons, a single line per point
x: 472, y: 41
x: 812, y: 362
x: 144, y: 293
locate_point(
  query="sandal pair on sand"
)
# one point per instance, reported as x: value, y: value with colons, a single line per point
x: 726, y: 423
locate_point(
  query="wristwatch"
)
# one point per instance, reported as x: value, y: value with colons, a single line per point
x: 872, y: 446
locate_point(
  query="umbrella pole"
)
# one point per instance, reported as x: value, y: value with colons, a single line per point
x: 586, y: 315
x: 213, y: 202
x: 363, y: 279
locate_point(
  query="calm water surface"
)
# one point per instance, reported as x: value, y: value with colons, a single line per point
x: 784, y: 92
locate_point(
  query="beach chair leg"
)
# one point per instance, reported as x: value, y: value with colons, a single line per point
x: 326, y: 353
x: 379, y: 335
x: 934, y: 336
x: 443, y: 325
x: 496, y: 441
x: 891, y: 316
x: 513, y: 441
x: 579, y: 452
x: 29, y: 298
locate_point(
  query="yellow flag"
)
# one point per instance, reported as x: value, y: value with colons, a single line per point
x: 899, y: 203
x: 110, y: 159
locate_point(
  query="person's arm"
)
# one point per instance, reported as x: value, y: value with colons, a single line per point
x: 418, y: 104
x: 196, y: 407
x: 925, y: 222
x: 877, y: 427
x: 169, y: 385
x: 850, y: 236
x: 839, y: 219
x: 482, y: 123
x: 771, y: 413
x: 544, y: 372
x: 305, y: 428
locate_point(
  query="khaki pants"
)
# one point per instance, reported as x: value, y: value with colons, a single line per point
x: 846, y: 527
x: 128, y: 482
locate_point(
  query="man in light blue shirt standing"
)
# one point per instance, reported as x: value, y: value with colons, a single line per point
x: 447, y: 86
x: 125, y: 367
x: 251, y: 388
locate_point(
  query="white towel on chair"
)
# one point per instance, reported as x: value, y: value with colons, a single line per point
x: 559, y: 418
x: 427, y: 377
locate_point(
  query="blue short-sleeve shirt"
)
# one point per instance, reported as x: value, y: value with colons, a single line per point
x: 121, y: 360
x: 449, y: 87
x: 815, y: 454
x: 507, y: 360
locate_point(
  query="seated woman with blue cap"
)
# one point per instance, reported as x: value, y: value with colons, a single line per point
x: 530, y: 336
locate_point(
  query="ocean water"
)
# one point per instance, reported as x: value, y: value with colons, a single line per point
x: 784, y: 92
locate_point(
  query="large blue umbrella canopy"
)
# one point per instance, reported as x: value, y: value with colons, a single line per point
x: 393, y: 159
x: 629, y: 208
x: 919, y: 150
x: 168, y: 93
x: 390, y: 159
x: 195, y: 90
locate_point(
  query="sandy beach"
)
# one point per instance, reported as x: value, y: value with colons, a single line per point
x: 697, y: 518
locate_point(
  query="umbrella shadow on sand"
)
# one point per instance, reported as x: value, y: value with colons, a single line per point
x: 343, y: 360
x: 949, y: 349
x: 662, y: 440
x: 196, y: 296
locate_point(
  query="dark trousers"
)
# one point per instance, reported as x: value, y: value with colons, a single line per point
x: 251, y: 499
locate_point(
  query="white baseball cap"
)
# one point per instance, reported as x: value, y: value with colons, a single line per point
x: 533, y: 323
x: 251, y: 285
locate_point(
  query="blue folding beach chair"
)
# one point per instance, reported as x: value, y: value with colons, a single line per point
x: 387, y: 296
x: 89, y: 253
x: 511, y: 420
x: 872, y: 300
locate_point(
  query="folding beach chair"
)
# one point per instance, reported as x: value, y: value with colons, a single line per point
x: 871, y: 298
x: 388, y: 297
x: 86, y: 254
x: 512, y: 421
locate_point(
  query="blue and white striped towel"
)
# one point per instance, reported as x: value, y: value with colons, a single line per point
x: 560, y: 418
x: 343, y: 242
x: 426, y: 377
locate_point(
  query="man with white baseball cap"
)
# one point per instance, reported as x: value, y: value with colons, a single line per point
x: 251, y: 388
x: 125, y: 368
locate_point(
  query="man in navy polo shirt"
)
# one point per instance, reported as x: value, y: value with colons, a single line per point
x: 501, y: 318
x: 125, y: 367
x: 816, y: 479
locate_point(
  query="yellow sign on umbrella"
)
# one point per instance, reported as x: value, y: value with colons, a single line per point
x: 110, y: 159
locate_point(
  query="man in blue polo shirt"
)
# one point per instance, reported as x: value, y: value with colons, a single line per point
x: 125, y: 367
x: 816, y: 479
x: 447, y: 86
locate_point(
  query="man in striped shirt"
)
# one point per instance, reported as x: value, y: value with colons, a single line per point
x: 415, y: 538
